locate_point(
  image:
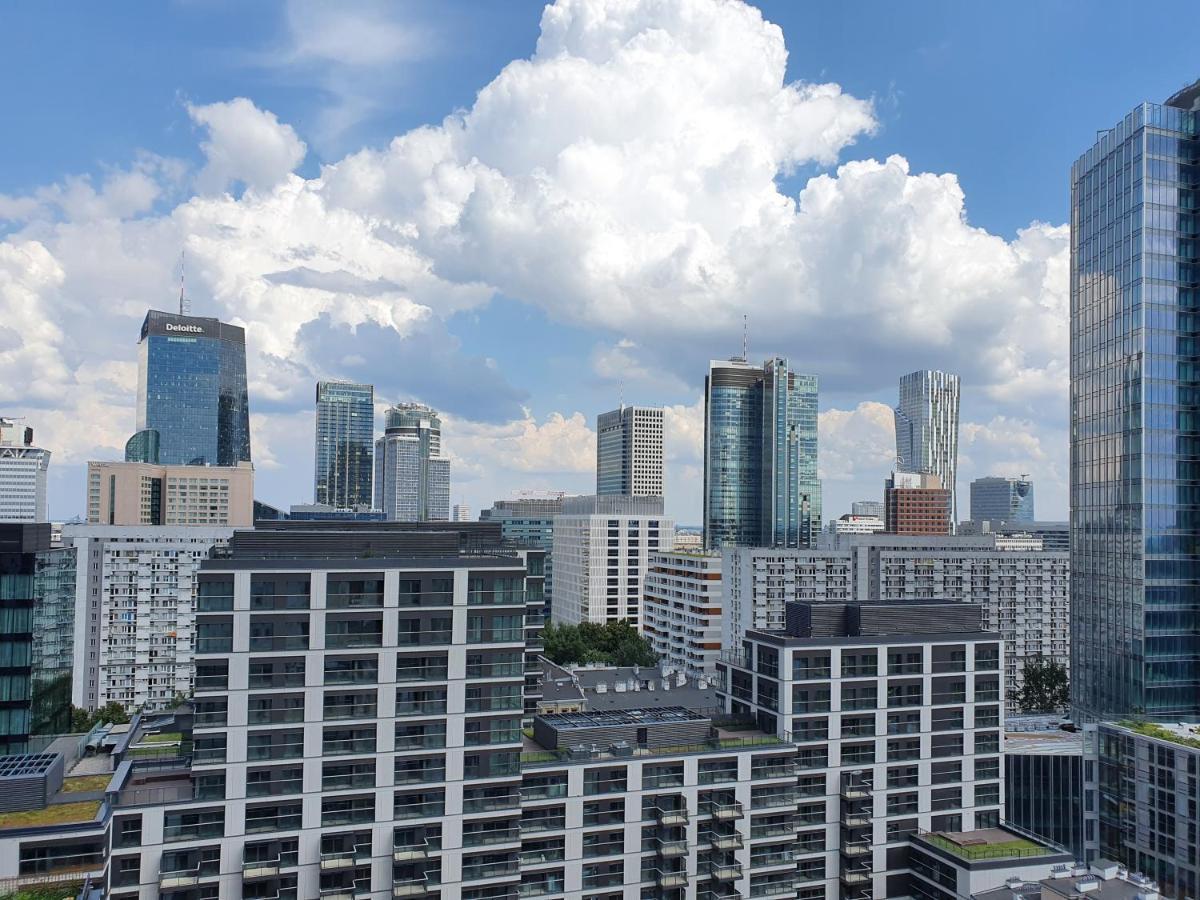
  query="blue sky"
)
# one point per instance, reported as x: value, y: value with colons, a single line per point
x: 524, y: 341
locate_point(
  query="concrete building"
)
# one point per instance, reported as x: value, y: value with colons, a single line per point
x: 135, y: 610
x: 23, y: 472
x: 1053, y: 535
x: 602, y: 550
x: 895, y: 710
x: 917, y: 504
x: 343, y: 452
x: 1002, y: 500
x: 527, y: 520
x: 412, y: 477
x: 461, y: 513
x: 682, y: 610
x: 629, y: 451
x: 688, y: 541
x: 130, y: 493
x: 852, y: 524
x: 927, y: 429
x: 867, y: 508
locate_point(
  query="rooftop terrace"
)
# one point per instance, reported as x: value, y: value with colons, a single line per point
x: 1184, y: 733
x: 988, y: 844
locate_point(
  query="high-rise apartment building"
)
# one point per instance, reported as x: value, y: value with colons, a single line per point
x: 927, y: 429
x: 1135, y: 391
x: 629, y: 452
x: 917, y: 504
x: 192, y: 407
x: 1008, y: 500
x: 23, y: 469
x: 682, y: 610
x: 760, y: 456
x: 602, y: 550
x: 345, y: 442
x: 126, y: 493
x: 412, y: 478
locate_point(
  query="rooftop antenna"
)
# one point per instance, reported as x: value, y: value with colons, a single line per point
x: 745, y: 337
x: 621, y: 393
x: 185, y: 305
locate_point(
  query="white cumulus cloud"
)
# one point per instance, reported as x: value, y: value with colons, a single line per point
x: 245, y: 145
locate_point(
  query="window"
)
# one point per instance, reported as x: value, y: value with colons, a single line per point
x: 351, y: 670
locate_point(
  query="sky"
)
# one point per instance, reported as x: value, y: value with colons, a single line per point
x: 523, y: 214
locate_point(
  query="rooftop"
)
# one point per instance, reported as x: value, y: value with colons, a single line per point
x: 640, y: 716
x: 79, y: 812
x: 1184, y: 733
x: 1064, y: 743
x: 1103, y: 880
x: 989, y: 844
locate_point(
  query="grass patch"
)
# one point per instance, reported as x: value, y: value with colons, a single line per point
x: 65, y: 891
x: 81, y: 783
x: 1016, y: 847
x: 1153, y: 730
x: 57, y: 814
x: 167, y: 737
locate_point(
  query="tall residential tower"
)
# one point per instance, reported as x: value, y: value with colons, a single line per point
x: 412, y: 478
x: 23, y: 469
x: 629, y: 452
x: 927, y: 429
x: 344, y: 449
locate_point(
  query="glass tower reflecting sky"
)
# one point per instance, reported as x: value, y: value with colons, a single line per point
x: 996, y: 499
x: 1135, y: 416
x: 345, y: 440
x: 927, y: 429
x: 760, y: 456
x: 192, y: 389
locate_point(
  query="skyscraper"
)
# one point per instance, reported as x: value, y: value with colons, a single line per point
x: 345, y: 435
x: 927, y: 429
x: 23, y: 468
x: 1135, y: 409
x: 760, y: 455
x: 629, y: 452
x: 412, y: 478
x: 1002, y: 500
x: 192, y: 403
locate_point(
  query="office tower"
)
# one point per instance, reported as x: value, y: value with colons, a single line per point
x: 125, y: 493
x: 461, y: 513
x: 1135, y: 508
x: 192, y: 402
x: 896, y: 712
x: 760, y: 456
x: 917, y: 504
x: 629, y: 452
x: 927, y: 429
x: 1008, y: 500
x: 135, y: 622
x: 23, y: 468
x: 412, y: 478
x: 867, y: 508
x: 602, y: 549
x: 682, y: 610
x: 345, y: 441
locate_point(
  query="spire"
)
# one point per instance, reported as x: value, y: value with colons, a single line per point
x: 185, y: 305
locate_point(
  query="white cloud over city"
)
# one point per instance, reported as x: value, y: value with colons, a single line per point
x: 624, y: 179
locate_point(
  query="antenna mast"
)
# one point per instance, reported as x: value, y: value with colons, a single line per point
x: 745, y: 337
x: 185, y: 305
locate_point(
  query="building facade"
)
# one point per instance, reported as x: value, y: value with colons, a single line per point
x: 1008, y: 500
x: 23, y: 473
x: 917, y: 504
x: 760, y: 456
x: 682, y: 610
x: 629, y: 451
x: 127, y: 493
x: 1044, y: 787
x: 1135, y: 504
x: 602, y: 550
x: 867, y: 508
x: 528, y: 521
x: 412, y: 478
x: 345, y: 445
x: 927, y: 429
x: 193, y: 407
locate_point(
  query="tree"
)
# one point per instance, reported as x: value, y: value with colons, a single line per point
x: 614, y: 643
x: 1044, y: 687
x: 83, y: 721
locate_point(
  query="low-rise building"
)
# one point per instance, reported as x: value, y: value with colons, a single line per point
x: 682, y: 611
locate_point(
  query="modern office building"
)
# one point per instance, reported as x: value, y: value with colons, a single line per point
x: 602, y: 550
x: 629, y: 451
x: 134, y: 623
x: 1053, y: 535
x: 52, y: 649
x: 461, y: 513
x: 1044, y: 785
x: 192, y: 399
x: 917, y: 504
x: 1135, y: 506
x: 896, y: 713
x: 760, y: 456
x: 412, y: 478
x: 527, y: 520
x: 1008, y: 500
x: 23, y: 472
x: 867, y: 508
x: 682, y: 610
x: 927, y: 429
x: 345, y: 440
x: 128, y: 493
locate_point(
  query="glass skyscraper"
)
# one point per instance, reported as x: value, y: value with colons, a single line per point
x: 629, y: 452
x: 1135, y: 416
x: 345, y: 439
x: 927, y: 429
x: 191, y: 392
x: 760, y: 456
x: 1001, y: 500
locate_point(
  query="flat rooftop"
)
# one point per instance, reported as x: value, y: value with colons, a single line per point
x: 1052, y: 743
x: 990, y: 845
x: 1185, y: 733
x: 664, y: 715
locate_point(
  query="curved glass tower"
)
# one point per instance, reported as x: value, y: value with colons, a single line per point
x: 927, y: 429
x: 344, y: 449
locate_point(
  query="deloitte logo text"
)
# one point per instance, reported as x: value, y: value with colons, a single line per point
x: 189, y: 329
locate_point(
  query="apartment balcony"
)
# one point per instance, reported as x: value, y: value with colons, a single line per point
x: 670, y: 849
x: 670, y: 879
x: 852, y: 818
x: 335, y: 860
x: 410, y: 887
x: 730, y: 841
x: 856, y: 790
x: 671, y: 816
x: 416, y: 851
x: 725, y: 872
x: 261, y: 868
x: 724, y: 811
x: 856, y: 849
x: 359, y: 890
x: 185, y: 877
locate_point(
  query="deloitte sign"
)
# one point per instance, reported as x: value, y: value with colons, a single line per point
x: 186, y: 329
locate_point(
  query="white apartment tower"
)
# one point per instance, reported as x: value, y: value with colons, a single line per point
x: 681, y: 610
x: 23, y: 469
x: 412, y: 478
x: 602, y: 550
x: 927, y: 429
x: 629, y: 451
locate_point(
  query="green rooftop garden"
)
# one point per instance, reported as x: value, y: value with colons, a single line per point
x: 1018, y: 846
x: 1154, y: 730
x: 55, y: 814
x: 167, y: 737
x: 66, y: 891
x: 80, y: 783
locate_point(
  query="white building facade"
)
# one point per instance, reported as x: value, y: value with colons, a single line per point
x: 412, y: 478
x: 629, y: 451
x: 681, y: 610
x: 927, y: 428
x: 23, y: 471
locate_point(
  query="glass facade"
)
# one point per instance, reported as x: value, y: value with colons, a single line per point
x: 192, y: 390
x: 1043, y: 793
x: 760, y: 456
x: 1002, y: 500
x: 53, y: 642
x: 927, y: 429
x: 345, y: 438
x: 1135, y: 417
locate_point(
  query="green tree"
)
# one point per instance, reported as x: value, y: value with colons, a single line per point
x: 614, y: 643
x: 1044, y: 687
x: 83, y: 720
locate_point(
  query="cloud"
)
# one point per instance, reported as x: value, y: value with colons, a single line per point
x: 559, y: 444
x: 857, y: 444
x: 245, y: 145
